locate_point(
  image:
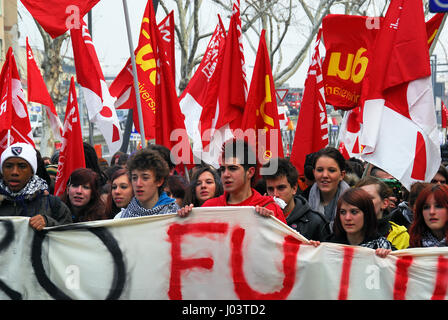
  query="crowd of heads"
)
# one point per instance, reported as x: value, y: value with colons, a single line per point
x: 352, y: 199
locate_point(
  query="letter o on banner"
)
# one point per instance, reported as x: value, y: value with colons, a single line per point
x: 111, y: 245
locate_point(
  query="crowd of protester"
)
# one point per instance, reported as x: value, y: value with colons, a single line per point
x: 334, y: 200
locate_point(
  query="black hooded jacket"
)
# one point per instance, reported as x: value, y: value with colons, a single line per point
x: 309, y: 223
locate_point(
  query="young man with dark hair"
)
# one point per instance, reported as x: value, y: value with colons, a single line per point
x: 238, y: 167
x: 23, y: 193
x: 148, y: 172
x: 299, y: 215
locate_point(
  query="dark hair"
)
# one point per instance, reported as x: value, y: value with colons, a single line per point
x: 92, y: 162
x: 177, y: 185
x: 146, y: 159
x: 41, y: 170
x: 111, y: 207
x: 355, y: 167
x: 332, y: 153
x: 383, y: 190
x: 418, y: 226
x: 308, y: 166
x: 111, y: 170
x: 416, y: 188
x: 55, y: 157
x: 443, y: 172
x: 240, y: 149
x: 95, y: 208
x: 115, y: 157
x: 361, y: 199
x: 122, y: 160
x: 284, y: 169
x: 164, y: 152
x: 190, y: 191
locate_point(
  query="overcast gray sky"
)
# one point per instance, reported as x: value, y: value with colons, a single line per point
x: 111, y: 41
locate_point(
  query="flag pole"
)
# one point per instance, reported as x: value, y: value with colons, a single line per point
x: 134, y: 73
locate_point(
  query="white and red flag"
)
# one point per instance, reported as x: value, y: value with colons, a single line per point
x: 199, y: 98
x: 38, y: 92
x: 399, y: 132
x: 71, y: 155
x: 15, y: 123
x: 312, y: 124
x: 57, y: 16
x: 99, y: 102
x: 350, y: 131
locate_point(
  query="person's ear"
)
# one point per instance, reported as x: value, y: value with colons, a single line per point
x: 250, y: 172
x: 160, y: 182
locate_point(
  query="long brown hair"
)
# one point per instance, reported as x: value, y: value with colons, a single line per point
x: 418, y: 226
x: 111, y: 207
x: 361, y: 199
x: 94, y: 209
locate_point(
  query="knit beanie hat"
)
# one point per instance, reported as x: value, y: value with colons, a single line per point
x: 52, y: 169
x: 20, y: 150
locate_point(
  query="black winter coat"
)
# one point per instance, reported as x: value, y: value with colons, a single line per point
x: 311, y: 224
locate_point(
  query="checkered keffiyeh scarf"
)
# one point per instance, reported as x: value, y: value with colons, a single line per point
x: 34, y: 185
x: 380, y: 242
x: 134, y: 209
x: 428, y: 240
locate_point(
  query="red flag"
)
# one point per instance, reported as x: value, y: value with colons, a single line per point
x: 261, y: 112
x: 348, y: 40
x: 312, y: 126
x: 37, y: 92
x: 57, y: 16
x: 433, y: 26
x: 399, y: 101
x: 123, y: 86
x: 444, y: 115
x: 15, y: 123
x: 198, y: 100
x: 232, y: 97
x: 237, y: 15
x: 99, y: 102
x: 71, y: 155
x: 170, y: 127
x: 166, y: 28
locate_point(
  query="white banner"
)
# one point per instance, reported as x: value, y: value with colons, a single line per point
x: 215, y: 253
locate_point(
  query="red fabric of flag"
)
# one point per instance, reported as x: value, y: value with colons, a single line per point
x: 166, y: 28
x: 71, y: 155
x: 261, y: 112
x: 444, y: 114
x: 57, y: 16
x: 15, y: 123
x: 312, y: 124
x: 38, y: 92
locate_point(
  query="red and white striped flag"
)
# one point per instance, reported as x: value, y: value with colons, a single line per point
x: 312, y: 124
x: 38, y: 92
x: 99, y: 102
